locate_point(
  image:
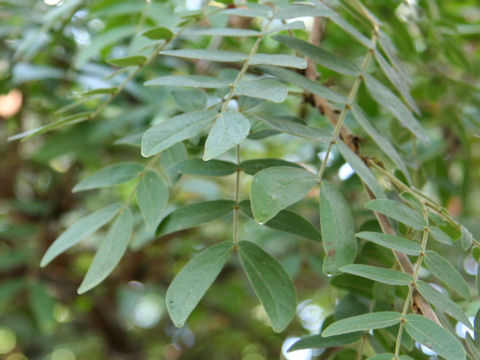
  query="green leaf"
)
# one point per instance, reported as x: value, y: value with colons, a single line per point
x: 392, y: 242
x: 209, y: 55
x: 249, y: 13
x: 466, y: 239
x: 251, y: 167
x: 79, y: 231
x: 320, y: 342
x: 476, y: 326
x: 304, y: 83
x: 386, y: 98
x: 297, y: 129
x: 361, y: 170
x: 190, y: 99
x: 472, y: 347
x: 152, y: 195
x: 276, y: 188
x: 375, y: 273
x: 136, y: 60
x: 109, y: 252
x: 291, y: 11
x: 174, y: 130
x: 477, y: 280
x: 14, y: 258
x: 446, y: 273
x: 42, y: 306
x: 387, y: 356
x: 288, y: 222
x: 271, y: 283
x: 132, y: 139
x: 189, y: 216
x: 442, y: 302
x: 158, y: 33
x: 320, y: 56
x: 354, y: 284
x: 59, y: 12
x: 101, y: 91
x: 196, y: 81
x: 170, y: 157
x: 118, y: 8
x: 398, y: 211
x: 294, y: 25
x: 338, y: 229
x: 112, y: 36
x: 433, y: 336
x: 389, y: 49
x: 220, y: 32
x: 383, y: 142
x: 192, y: 282
x: 279, y: 60
x: 376, y: 320
x: 440, y: 236
x: 268, y: 89
x: 67, y: 120
x: 110, y: 176
x: 229, y: 129
x: 397, y: 80
x: 9, y: 288
x: 349, y: 28
x: 205, y: 168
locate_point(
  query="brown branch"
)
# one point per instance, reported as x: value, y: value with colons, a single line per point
x: 419, y: 304
x: 323, y: 106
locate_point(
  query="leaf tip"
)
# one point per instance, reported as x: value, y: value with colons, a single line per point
x: 144, y: 152
x: 45, y: 261
x: 179, y: 324
x: 303, y: 64
x: 85, y: 286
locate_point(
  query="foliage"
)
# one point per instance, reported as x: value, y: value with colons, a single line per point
x: 188, y: 160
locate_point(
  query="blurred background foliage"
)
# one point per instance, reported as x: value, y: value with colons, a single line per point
x: 51, y: 51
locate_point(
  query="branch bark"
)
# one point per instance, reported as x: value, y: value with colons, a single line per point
x: 419, y: 304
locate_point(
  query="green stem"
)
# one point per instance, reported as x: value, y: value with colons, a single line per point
x: 226, y: 101
x: 236, y: 209
x: 139, y: 68
x: 150, y: 164
x: 244, y: 68
x: 411, y: 287
x: 351, y: 98
x: 361, y: 347
x: 417, y: 194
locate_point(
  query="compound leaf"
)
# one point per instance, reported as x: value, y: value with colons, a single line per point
x: 433, y: 336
